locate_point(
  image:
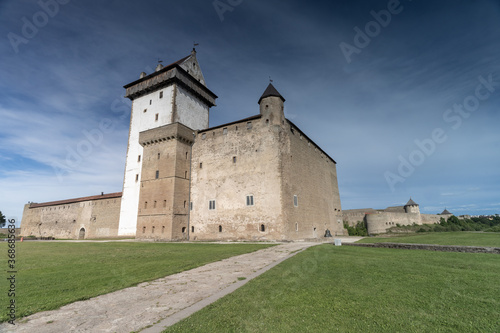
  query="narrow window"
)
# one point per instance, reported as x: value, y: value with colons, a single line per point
x: 159, y: 155
x: 163, y: 229
x: 192, y: 229
x: 145, y: 110
x: 153, y: 229
x: 161, y: 94
x: 164, y: 203
x: 185, y: 174
x: 154, y: 204
x: 191, y: 206
x: 262, y: 228
x: 150, y: 101
x: 296, y: 226
x: 211, y: 205
x: 157, y: 174
x: 236, y: 128
x: 186, y: 155
x: 143, y: 230
x: 146, y: 205
x: 183, y: 229
x: 291, y: 130
x: 184, y: 203
x: 234, y: 159
x: 224, y: 130
x: 156, y: 117
x: 249, y: 125
x: 201, y: 165
x: 139, y: 158
x: 249, y: 200
x: 203, y: 136
x: 295, y: 201
x: 220, y: 228
x: 267, y: 121
x: 137, y: 177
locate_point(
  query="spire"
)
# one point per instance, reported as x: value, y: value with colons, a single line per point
x: 411, y: 203
x: 271, y: 91
x: 445, y: 212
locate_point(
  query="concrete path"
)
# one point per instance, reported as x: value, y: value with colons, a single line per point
x: 154, y: 305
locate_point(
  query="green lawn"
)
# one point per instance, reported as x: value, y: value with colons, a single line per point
x: 351, y: 289
x: 491, y: 239
x: 52, y: 274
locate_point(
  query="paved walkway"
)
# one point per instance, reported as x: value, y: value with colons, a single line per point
x: 162, y: 302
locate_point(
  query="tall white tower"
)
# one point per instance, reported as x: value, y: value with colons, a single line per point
x: 172, y: 94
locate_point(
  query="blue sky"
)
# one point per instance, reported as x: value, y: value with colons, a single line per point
x: 408, y: 107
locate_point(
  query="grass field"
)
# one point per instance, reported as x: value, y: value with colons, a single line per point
x: 442, y: 238
x: 351, y: 289
x: 52, y: 274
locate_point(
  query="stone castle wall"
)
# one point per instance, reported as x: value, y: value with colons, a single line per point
x: 378, y: 223
x: 98, y: 216
x: 231, y: 163
x: 310, y: 175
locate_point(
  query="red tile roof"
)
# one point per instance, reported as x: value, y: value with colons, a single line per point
x: 70, y: 201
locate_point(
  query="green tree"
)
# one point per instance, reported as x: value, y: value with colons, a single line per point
x: 2, y: 220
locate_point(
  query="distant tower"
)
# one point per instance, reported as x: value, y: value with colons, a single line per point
x: 412, y: 207
x: 172, y: 94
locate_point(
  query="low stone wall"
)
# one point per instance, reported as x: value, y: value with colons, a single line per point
x: 430, y: 247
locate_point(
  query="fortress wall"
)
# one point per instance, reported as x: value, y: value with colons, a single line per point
x: 353, y: 216
x: 311, y: 175
x: 378, y: 223
x: 431, y: 218
x: 230, y: 163
x: 99, y: 218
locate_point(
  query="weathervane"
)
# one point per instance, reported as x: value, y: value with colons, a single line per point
x: 195, y: 45
x: 270, y: 80
x: 160, y: 61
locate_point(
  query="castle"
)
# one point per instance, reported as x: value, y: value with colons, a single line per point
x: 380, y: 220
x: 259, y: 178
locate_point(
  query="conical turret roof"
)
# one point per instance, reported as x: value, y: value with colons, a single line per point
x: 446, y: 212
x: 271, y: 91
x: 411, y: 203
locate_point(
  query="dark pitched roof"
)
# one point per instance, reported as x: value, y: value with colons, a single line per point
x: 70, y: 201
x: 445, y: 212
x: 271, y: 91
x: 411, y: 203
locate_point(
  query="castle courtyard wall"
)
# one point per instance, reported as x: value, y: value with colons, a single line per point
x: 99, y: 217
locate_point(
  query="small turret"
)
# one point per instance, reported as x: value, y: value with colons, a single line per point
x: 272, y: 106
x: 412, y: 207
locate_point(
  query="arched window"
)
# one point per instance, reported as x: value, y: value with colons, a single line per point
x: 220, y: 228
x: 262, y: 227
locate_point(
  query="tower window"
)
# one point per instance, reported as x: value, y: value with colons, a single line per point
x: 164, y: 203
x: 220, y: 228
x: 249, y: 200
x: 161, y: 94
x: 192, y: 229
x: 146, y: 205
x: 183, y: 229
x: 145, y: 110
x: 150, y: 101
x: 153, y: 229
x: 267, y: 121
x: 262, y: 228
x: 185, y: 174
x: 157, y: 174
x: 224, y: 130
x: 154, y: 204
x: 163, y: 229
x: 156, y: 117
x: 234, y: 159
x: 143, y: 230
x: 203, y: 136
x: 186, y: 155
x: 185, y: 203
x: 137, y: 177
x: 159, y: 155
x: 139, y: 158
x: 191, y: 206
x: 211, y: 205
x: 296, y: 226
x: 201, y: 165
x: 295, y: 201
x: 249, y: 125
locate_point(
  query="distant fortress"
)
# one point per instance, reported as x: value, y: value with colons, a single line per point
x: 378, y: 221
